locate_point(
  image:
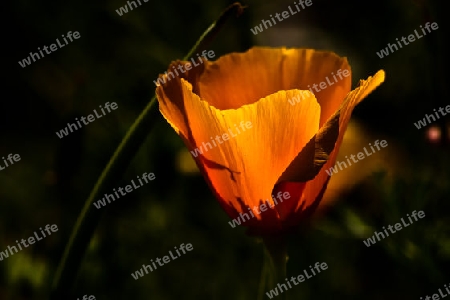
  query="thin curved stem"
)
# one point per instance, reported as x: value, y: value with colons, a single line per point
x: 89, y: 218
x: 274, y: 267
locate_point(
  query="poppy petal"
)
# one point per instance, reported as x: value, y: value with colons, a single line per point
x: 239, y: 169
x: 339, y: 119
x: 308, y: 69
x: 171, y: 99
x: 238, y: 79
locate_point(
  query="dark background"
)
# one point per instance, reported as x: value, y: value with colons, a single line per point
x: 116, y: 60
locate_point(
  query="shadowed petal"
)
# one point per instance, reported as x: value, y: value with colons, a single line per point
x: 340, y: 119
x: 246, y: 167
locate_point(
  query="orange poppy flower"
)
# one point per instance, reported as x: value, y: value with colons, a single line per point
x: 251, y: 140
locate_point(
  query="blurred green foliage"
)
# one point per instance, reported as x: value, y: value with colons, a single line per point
x: 117, y: 59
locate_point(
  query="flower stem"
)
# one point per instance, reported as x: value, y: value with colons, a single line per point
x: 274, y: 267
x: 89, y: 217
x: 234, y: 9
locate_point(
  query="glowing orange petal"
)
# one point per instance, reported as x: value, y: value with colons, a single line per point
x: 305, y: 67
x: 314, y: 189
x: 244, y: 169
x: 237, y: 79
x: 171, y: 100
x: 288, y: 148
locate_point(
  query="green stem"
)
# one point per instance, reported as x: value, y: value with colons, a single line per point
x: 234, y: 9
x: 274, y: 267
x: 89, y: 218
